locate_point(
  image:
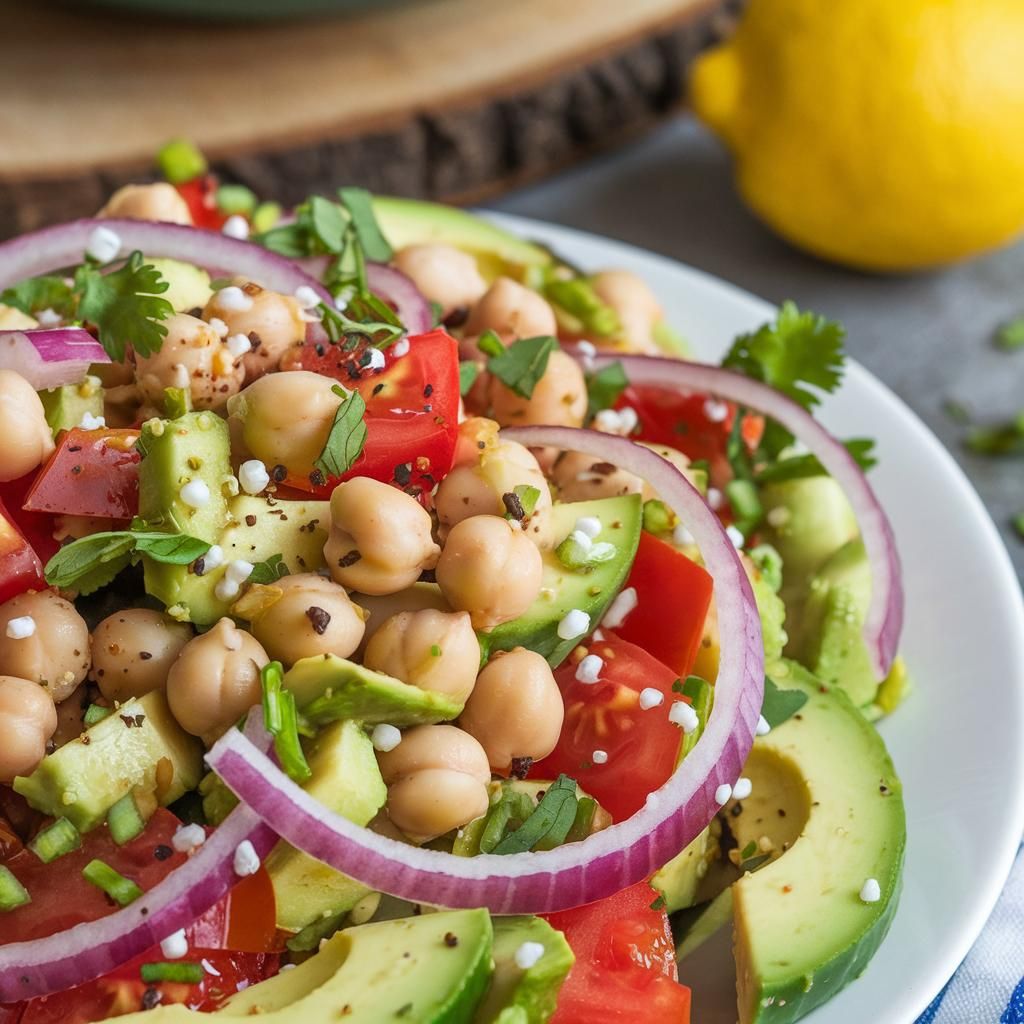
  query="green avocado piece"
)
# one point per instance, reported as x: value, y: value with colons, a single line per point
x: 497, y: 251
x: 772, y: 613
x: 123, y: 753
x: 801, y: 930
x: 431, y: 969
x: 563, y: 590
x: 345, y: 778
x: 65, y: 406
x: 518, y: 996
x: 696, y: 925
x: 188, y: 285
x: 328, y: 688
x: 680, y: 878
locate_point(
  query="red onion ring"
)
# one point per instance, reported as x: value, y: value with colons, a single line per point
x: 48, y: 357
x: 606, y: 862
x: 92, y: 949
x: 884, y: 620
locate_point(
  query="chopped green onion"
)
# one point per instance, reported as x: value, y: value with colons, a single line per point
x: 125, y: 820
x: 95, y: 713
x: 282, y: 722
x: 658, y: 517
x: 180, y: 161
x: 586, y: 809
x: 746, y: 505
x: 578, y: 298
x: 233, y: 199
x: 182, y: 972
x: 265, y: 216
x: 769, y: 564
x: 748, y: 851
x: 56, y: 840
x: 12, y: 893
x: 580, y: 553
x: 120, y: 889
x: 528, y: 497
x: 513, y: 809
x: 177, y: 402
x: 548, y: 826
x: 490, y: 344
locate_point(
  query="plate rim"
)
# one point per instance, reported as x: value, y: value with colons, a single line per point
x: 1004, y: 581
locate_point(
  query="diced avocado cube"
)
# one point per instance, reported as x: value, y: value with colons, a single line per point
x: 188, y: 285
x: 67, y: 405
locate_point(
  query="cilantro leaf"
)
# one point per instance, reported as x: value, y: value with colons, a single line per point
x: 468, y: 373
x: 605, y: 386
x: 327, y: 224
x: 521, y: 366
x: 169, y: 548
x: 799, y: 466
x: 359, y: 204
x: 780, y: 705
x: 39, y: 293
x: 347, y: 435
x: 549, y: 824
x: 269, y: 571
x: 125, y: 305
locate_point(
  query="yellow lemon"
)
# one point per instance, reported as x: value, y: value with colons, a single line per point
x: 886, y: 134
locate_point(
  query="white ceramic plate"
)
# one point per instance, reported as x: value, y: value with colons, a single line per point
x: 957, y: 741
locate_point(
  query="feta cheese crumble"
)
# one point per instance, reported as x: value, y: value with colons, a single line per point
x: 714, y: 498
x: 682, y: 537
x: 385, y: 738
x: 400, y: 348
x: 175, y: 946
x: 238, y: 345
x: 589, y: 669
x: 683, y: 715
x: 715, y: 411
x: 762, y: 728
x: 219, y: 327
x: 214, y: 558
x: 188, y: 838
x: 90, y: 422
x: 236, y: 226
x: 253, y: 476
x: 599, y: 757
x: 528, y: 954
x: 195, y: 494
x: 870, y: 891
x: 103, y: 244
x: 245, y: 862
x: 736, y: 536
x: 590, y: 525
x: 233, y: 299
x: 21, y: 628
x: 620, y: 608
x: 575, y: 624
x: 49, y: 318
x: 650, y: 698
x: 307, y: 297
x: 376, y: 359
x: 237, y: 572
x: 743, y: 788
x: 723, y: 794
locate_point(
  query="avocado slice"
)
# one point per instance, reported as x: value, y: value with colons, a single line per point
x: 680, y: 878
x: 65, y: 406
x: 563, y: 590
x: 345, y: 778
x: 801, y: 930
x: 328, y: 688
x: 518, y: 996
x: 431, y: 969
x: 188, y: 286
x: 138, y: 747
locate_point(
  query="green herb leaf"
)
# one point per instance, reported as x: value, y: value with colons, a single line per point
x: 745, y: 504
x: 605, y: 387
x: 359, y: 204
x: 520, y: 366
x: 749, y: 850
x: 490, y: 344
x: 327, y: 223
x: 347, y: 436
x: 468, y: 373
x: 290, y: 240
x: 797, y: 467
x: 1011, y: 335
x: 125, y: 305
x: 578, y: 298
x: 549, y: 824
x: 755, y: 862
x: 780, y: 705
x: 281, y: 721
x: 169, y: 548
x: 270, y: 570
x: 528, y: 497
x: 701, y: 695
x: 38, y: 293
x: 659, y: 903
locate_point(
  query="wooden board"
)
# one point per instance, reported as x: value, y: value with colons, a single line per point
x: 441, y: 98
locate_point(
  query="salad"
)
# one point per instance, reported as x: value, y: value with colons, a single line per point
x: 395, y: 624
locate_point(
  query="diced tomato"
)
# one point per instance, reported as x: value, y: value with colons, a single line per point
x: 412, y: 410
x: 681, y: 591
x: 92, y: 473
x: 642, y: 746
x: 20, y: 567
x: 201, y: 195
x: 625, y: 970
x: 681, y: 421
x: 37, y: 527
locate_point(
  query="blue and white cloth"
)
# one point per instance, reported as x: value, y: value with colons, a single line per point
x: 988, y: 987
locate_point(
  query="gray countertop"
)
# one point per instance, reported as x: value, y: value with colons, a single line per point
x: 927, y: 336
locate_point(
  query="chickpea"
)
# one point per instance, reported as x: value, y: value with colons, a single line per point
x: 634, y: 302
x: 12, y: 319
x: 433, y: 650
x: 437, y: 780
x: 444, y: 274
x: 490, y: 569
x: 476, y: 490
x: 515, y: 709
x: 273, y: 323
x: 193, y: 356
x: 581, y: 477
x: 312, y: 616
x: 133, y: 651
x: 380, y: 538
x: 55, y: 651
x: 27, y: 720
x: 559, y: 398
x: 27, y: 441
x: 285, y: 418
x: 512, y: 311
x: 159, y: 201
x: 413, y: 599
x: 215, y: 680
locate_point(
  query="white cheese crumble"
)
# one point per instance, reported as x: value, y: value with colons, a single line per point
x: 175, y: 946
x: 238, y: 345
x: 620, y: 608
x: 722, y: 794
x: 400, y: 348
x: 181, y: 380
x: 736, y: 536
x: 714, y: 497
x: 236, y: 226
x: 743, y: 788
x: 870, y: 891
x: 715, y: 411
x: 49, y: 318
x: 188, y: 838
x: 683, y: 715
x: 90, y: 422
x: 234, y: 576
x: 589, y: 669
x: 528, y: 954
x: 307, y: 297
x: 214, y: 558
x: 246, y: 862
x: 376, y: 359
x: 599, y: 757
x: 762, y: 728
x: 21, y: 628
x: 195, y: 494
x: 682, y: 537
x: 253, y: 476
x: 590, y: 525
x: 650, y: 698
x: 218, y: 326
x: 587, y: 349
x: 617, y: 421
x: 575, y: 624
x: 233, y: 299
x: 103, y: 244
x: 385, y: 737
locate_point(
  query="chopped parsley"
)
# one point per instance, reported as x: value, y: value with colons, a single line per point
x: 347, y: 435
x: 520, y: 366
x: 780, y: 705
x: 604, y: 387
x: 269, y: 571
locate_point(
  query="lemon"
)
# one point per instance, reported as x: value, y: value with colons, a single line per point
x: 885, y: 134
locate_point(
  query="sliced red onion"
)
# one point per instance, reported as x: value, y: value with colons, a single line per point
x: 64, y: 245
x: 48, y: 357
x: 86, y: 951
x: 606, y: 862
x: 884, y: 620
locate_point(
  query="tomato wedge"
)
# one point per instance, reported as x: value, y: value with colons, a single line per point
x: 412, y: 410
x: 20, y: 567
x: 666, y: 579
x: 625, y: 970
x: 642, y: 747
x: 201, y: 196
x: 92, y: 473
x: 36, y: 527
